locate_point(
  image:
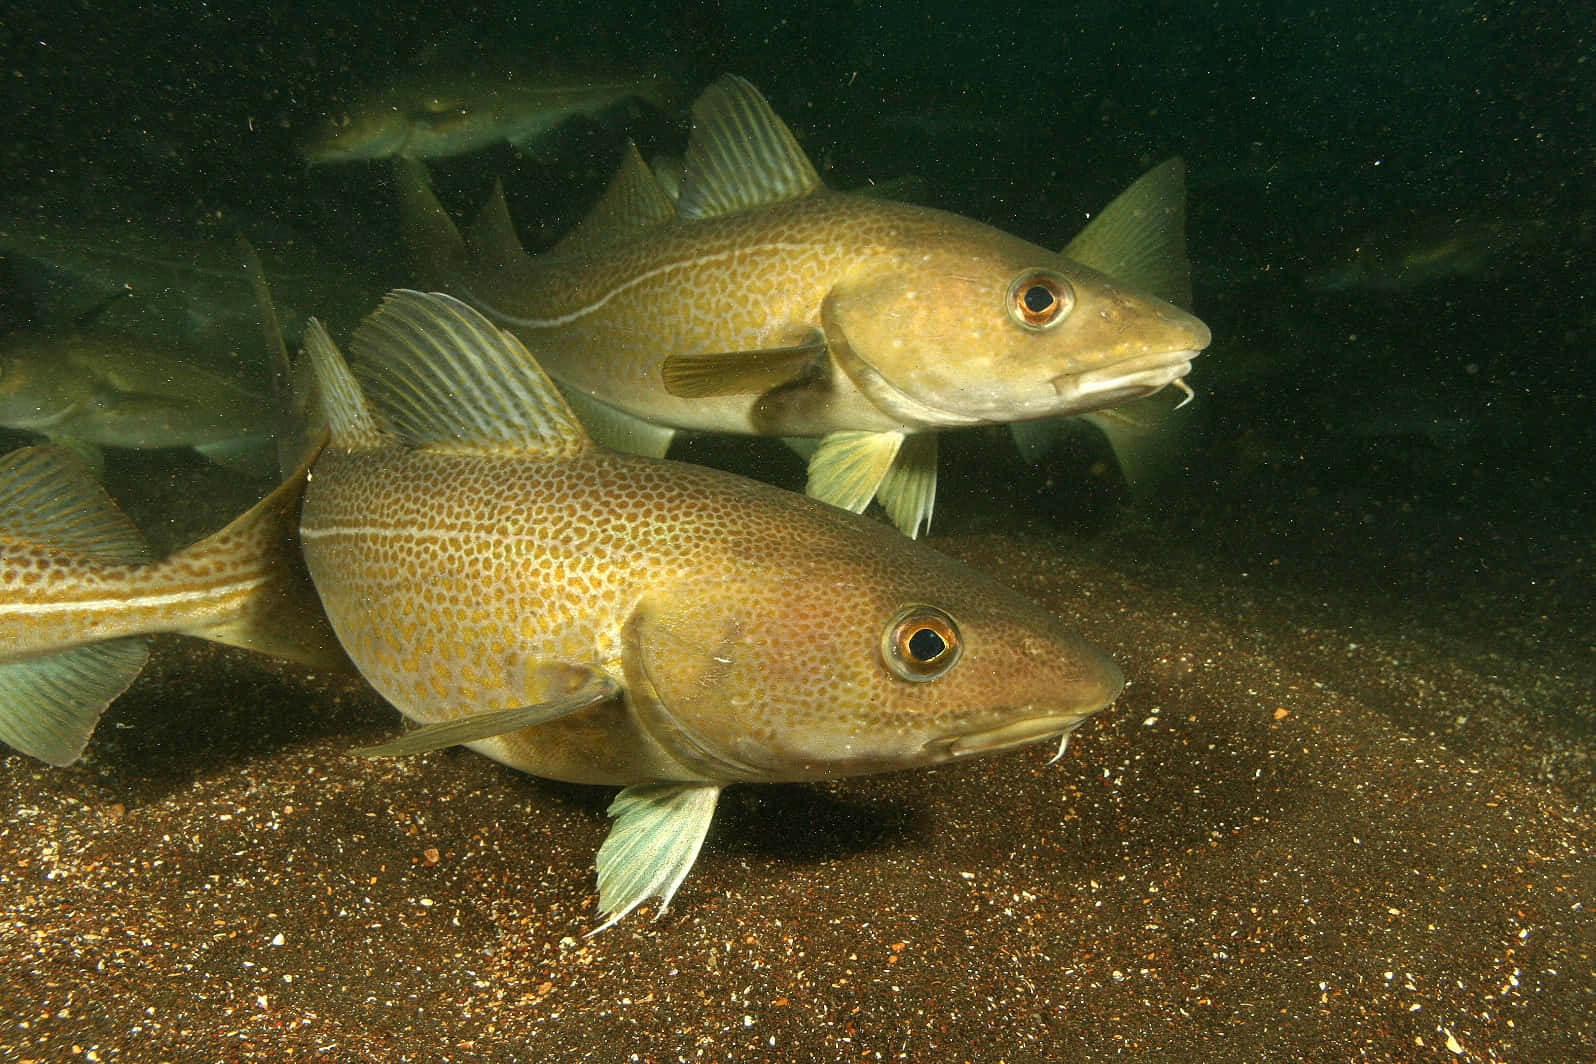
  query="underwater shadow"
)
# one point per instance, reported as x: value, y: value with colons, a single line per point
x: 810, y: 823
x: 199, y: 710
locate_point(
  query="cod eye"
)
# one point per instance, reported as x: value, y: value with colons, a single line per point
x: 1040, y: 300
x: 921, y: 643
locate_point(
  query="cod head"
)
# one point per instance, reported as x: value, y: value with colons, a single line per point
x: 1000, y: 338
x: 837, y: 647
x: 967, y: 325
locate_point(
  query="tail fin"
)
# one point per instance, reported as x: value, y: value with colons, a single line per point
x: 275, y: 609
x: 293, y: 388
x: 50, y: 704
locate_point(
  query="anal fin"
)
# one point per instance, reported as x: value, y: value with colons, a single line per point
x: 848, y: 467
x: 659, y: 829
x: 909, y: 490
x: 595, y: 687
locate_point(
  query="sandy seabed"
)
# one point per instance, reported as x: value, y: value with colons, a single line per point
x: 1340, y: 813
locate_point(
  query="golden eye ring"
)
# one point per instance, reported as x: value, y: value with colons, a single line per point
x: 1039, y: 300
x: 921, y: 643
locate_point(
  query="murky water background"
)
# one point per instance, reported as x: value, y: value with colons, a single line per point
x: 1340, y: 813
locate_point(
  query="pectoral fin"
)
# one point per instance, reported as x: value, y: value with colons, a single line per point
x: 659, y: 828
x: 593, y: 689
x: 742, y: 372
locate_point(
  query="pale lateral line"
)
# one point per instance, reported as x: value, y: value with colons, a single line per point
x: 170, y: 598
x: 647, y: 275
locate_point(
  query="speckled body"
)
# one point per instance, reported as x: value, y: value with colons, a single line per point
x: 911, y: 301
x: 742, y: 623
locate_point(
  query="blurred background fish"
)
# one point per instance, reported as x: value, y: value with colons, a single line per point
x: 437, y: 113
x: 176, y: 278
x: 87, y: 388
x: 1422, y: 250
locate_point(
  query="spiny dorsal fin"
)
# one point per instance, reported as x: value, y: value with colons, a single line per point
x: 50, y: 497
x: 342, y: 404
x: 634, y: 202
x: 444, y: 377
x: 492, y: 237
x: 1140, y: 238
x: 740, y: 154
x: 294, y: 393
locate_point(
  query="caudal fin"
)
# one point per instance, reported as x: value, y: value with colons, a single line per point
x: 273, y: 607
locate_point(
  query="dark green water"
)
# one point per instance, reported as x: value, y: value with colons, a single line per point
x: 1392, y: 226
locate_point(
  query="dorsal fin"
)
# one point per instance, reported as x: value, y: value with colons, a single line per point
x: 444, y: 377
x: 634, y: 202
x: 436, y: 250
x: 1140, y: 238
x: 293, y: 389
x: 492, y: 238
x: 740, y: 154
x: 343, y: 405
x: 49, y: 496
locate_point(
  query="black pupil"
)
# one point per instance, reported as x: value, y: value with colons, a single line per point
x: 926, y: 645
x: 1038, y: 298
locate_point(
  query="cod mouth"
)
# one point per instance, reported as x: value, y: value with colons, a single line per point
x: 1133, y: 378
x: 1007, y: 736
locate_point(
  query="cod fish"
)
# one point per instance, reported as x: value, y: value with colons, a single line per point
x: 93, y: 388
x: 760, y: 302
x: 80, y: 597
x: 430, y: 116
x: 1443, y: 247
x: 605, y: 618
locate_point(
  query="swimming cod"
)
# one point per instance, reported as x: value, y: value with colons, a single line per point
x: 93, y: 388
x: 434, y: 116
x: 80, y: 597
x: 760, y: 302
x: 606, y: 618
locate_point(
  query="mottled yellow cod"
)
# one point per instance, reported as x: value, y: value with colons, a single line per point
x: 607, y: 618
x: 758, y: 301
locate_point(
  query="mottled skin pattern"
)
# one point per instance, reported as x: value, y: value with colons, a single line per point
x: 913, y: 304
x: 743, y: 624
